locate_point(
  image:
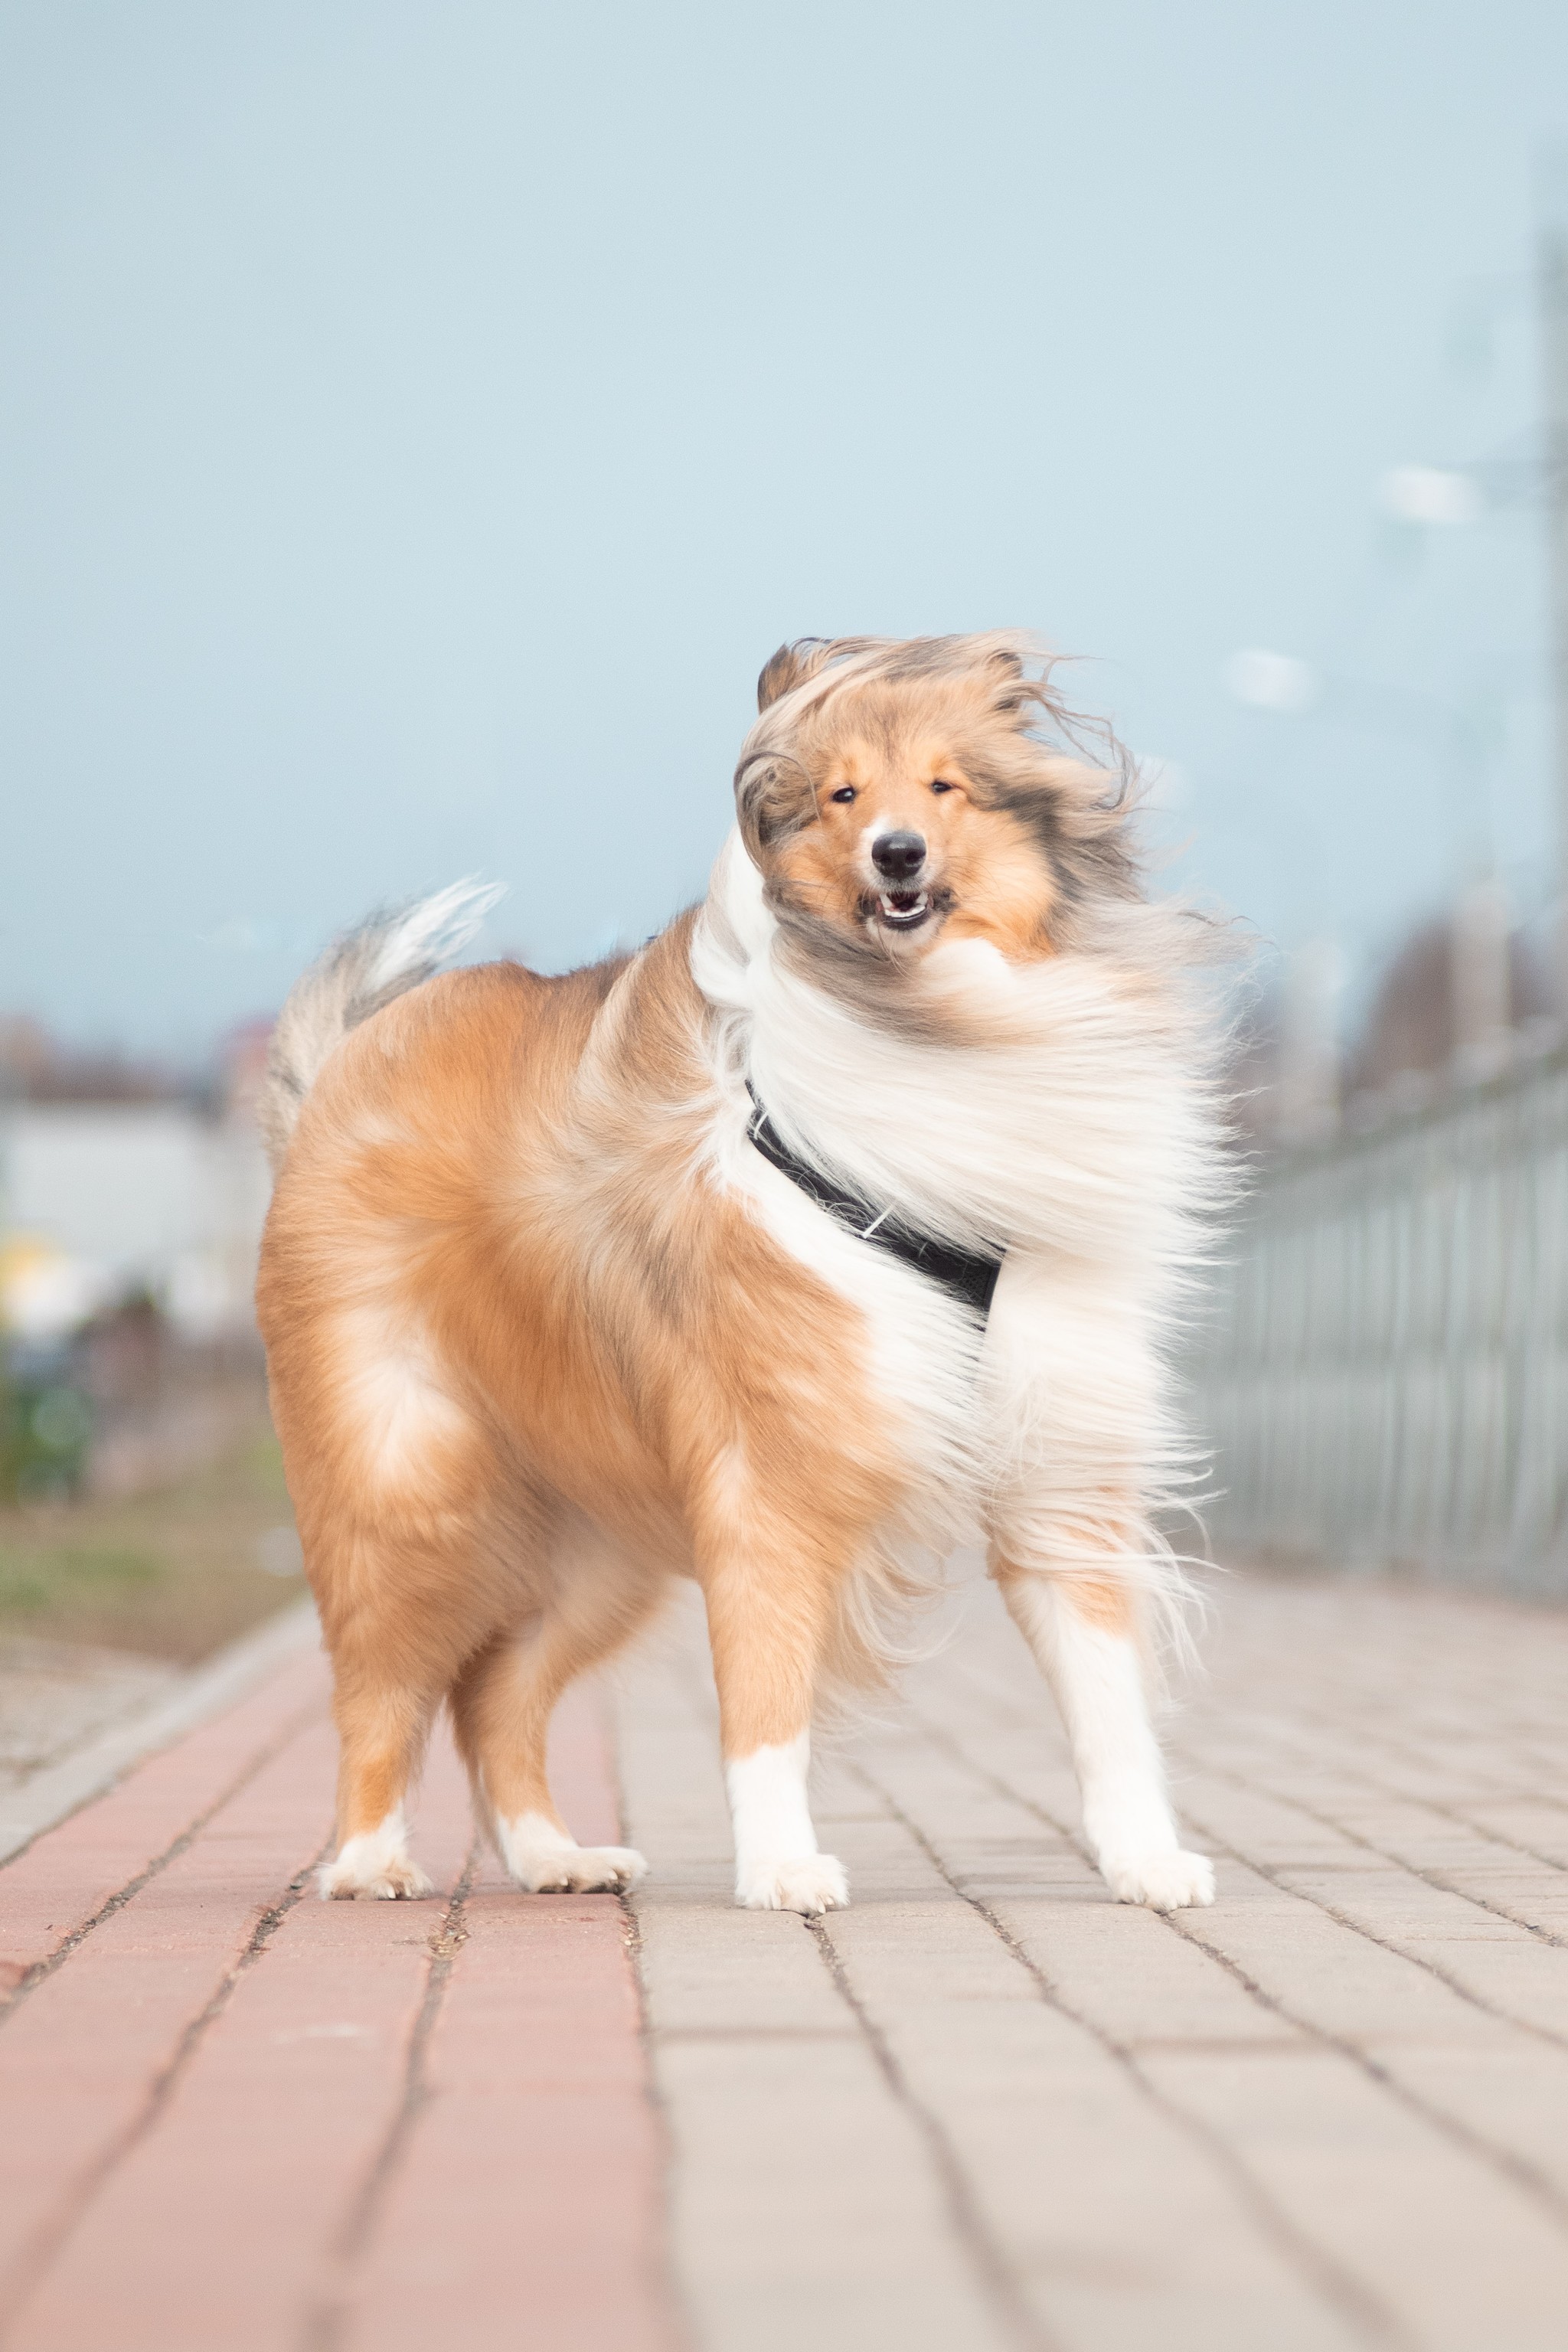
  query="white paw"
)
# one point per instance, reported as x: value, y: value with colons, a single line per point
x: 372, y: 1878
x: 579, y: 1869
x: 811, y: 1883
x: 1166, y: 1881
x: 544, y: 1859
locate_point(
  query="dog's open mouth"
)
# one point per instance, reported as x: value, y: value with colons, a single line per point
x: 901, y: 910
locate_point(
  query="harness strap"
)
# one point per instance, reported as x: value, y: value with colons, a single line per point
x: 969, y: 1277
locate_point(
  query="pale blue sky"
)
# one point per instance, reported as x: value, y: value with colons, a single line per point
x: 417, y: 424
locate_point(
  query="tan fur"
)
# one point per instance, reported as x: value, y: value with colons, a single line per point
x: 527, y: 1361
x: 1106, y: 1602
x: 1000, y: 881
x: 1027, y: 841
x: 497, y: 1186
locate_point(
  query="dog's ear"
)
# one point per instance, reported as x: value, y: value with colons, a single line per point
x: 774, y: 798
x: 1009, y: 695
x: 790, y: 668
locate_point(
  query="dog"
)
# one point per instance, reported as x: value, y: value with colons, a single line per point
x: 847, y: 1215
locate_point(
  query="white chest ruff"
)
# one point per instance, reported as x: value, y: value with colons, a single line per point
x: 1073, y: 1138
x: 1045, y: 1411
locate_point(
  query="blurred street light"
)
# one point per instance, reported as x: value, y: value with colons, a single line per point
x: 1435, y: 496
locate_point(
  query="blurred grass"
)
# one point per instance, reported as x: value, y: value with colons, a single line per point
x: 172, y: 1574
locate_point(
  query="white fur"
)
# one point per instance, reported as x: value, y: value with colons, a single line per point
x: 777, y: 1865
x: 1074, y: 1129
x: 1069, y: 1128
x: 428, y: 932
x: 374, y: 1864
x: 541, y: 1856
x: 1099, y: 1686
x: 360, y: 972
x: 391, y: 1392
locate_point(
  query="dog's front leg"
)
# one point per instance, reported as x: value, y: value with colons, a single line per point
x: 765, y: 1632
x: 1083, y: 1633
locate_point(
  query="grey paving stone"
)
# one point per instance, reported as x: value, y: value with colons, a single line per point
x: 1118, y: 2227
x: 1266, y: 1828
x: 1451, y: 2256
x: 806, y: 2209
x: 1322, y: 2112
x: 1138, y: 1980
x: 1513, y: 2098
x: 1539, y: 1901
x: 1324, y: 1973
x: 1498, y: 1962
x: 1539, y: 1826
x: 710, y: 1968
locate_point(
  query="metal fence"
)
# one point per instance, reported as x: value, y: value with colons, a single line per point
x: 1384, y: 1370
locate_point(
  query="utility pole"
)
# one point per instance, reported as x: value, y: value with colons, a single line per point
x: 1307, y: 1087
x: 1554, y: 390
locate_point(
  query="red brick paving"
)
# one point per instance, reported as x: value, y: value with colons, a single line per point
x: 65, y: 1878
x: 238, y: 2118
x: 537, y: 2081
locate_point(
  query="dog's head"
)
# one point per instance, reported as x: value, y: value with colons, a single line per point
x: 895, y: 791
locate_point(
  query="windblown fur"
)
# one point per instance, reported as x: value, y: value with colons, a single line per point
x: 380, y: 959
x: 546, y: 1328
x: 1063, y: 1108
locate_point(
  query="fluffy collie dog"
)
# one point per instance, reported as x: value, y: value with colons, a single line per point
x: 843, y: 1219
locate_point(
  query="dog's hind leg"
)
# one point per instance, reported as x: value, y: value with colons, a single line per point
x: 382, y: 1723
x: 502, y: 1705
x: 1083, y: 1631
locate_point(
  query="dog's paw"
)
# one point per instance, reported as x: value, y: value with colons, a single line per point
x: 579, y: 1869
x: 811, y: 1883
x: 372, y: 1877
x: 1167, y: 1881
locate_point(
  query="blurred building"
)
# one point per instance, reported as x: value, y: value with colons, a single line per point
x: 122, y: 1182
x: 1452, y: 1001
x: 1463, y: 994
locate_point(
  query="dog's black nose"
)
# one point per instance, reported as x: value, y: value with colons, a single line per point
x: 898, y: 855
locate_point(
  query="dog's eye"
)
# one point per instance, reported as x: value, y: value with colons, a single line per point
x: 937, y: 785
x: 844, y: 793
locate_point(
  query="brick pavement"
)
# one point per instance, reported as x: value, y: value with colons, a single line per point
x: 237, y: 2119
x: 984, y: 2108
x: 987, y: 2107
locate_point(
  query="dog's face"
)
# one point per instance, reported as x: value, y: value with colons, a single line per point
x: 904, y: 844
x: 904, y: 798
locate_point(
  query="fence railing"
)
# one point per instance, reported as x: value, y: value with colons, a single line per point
x: 1383, y: 1369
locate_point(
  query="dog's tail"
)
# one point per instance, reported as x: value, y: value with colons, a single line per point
x: 389, y: 953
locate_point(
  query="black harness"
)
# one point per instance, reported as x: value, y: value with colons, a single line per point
x: 969, y: 1277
